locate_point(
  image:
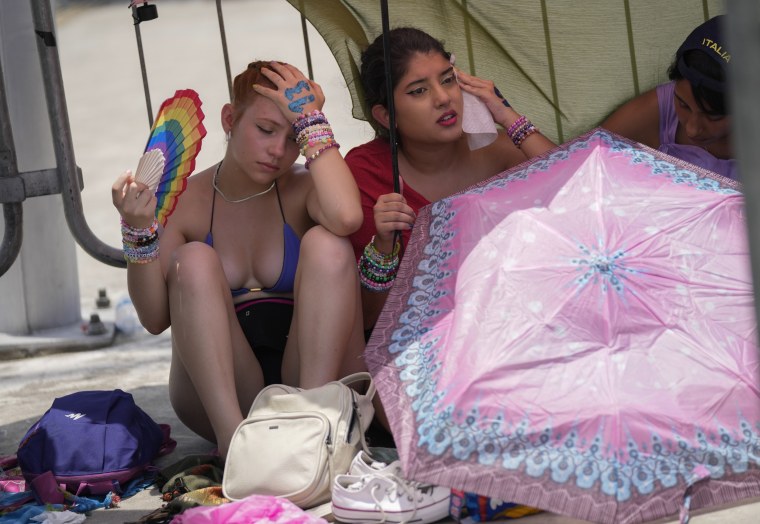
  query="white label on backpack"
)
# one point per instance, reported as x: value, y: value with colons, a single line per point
x: 75, y: 416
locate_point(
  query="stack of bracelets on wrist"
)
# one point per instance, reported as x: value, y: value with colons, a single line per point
x: 140, y: 245
x: 377, y: 271
x: 520, y: 130
x: 313, y: 130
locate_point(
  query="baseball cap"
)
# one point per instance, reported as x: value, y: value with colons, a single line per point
x: 709, y: 39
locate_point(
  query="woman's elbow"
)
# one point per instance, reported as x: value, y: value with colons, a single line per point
x: 153, y: 325
x: 349, y: 221
x: 354, y: 220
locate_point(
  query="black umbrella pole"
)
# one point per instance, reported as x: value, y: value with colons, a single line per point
x: 142, y: 66
x: 389, y: 93
x: 391, y: 105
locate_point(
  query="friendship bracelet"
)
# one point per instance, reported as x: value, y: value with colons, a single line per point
x: 313, y: 130
x: 313, y: 157
x: 521, y: 129
x: 315, y: 139
x: 141, y: 257
x: 141, y: 254
x: 524, y: 133
x: 516, y: 124
x: 305, y: 120
x: 372, y: 252
x: 136, y: 231
x: 140, y: 245
x: 377, y: 270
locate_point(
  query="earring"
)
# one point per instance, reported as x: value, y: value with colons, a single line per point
x: 228, y: 136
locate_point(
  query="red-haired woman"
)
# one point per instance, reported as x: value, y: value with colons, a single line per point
x: 254, y: 274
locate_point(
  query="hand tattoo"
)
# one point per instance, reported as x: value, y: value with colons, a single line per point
x: 297, y: 105
x: 503, y: 100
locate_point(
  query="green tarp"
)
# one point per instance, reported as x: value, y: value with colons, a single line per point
x: 565, y: 64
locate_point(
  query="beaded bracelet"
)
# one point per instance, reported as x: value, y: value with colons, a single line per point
x: 377, y: 271
x: 143, y: 255
x: 308, y: 119
x: 140, y: 245
x: 136, y: 232
x: 313, y: 157
x: 515, y: 125
x: 313, y: 130
x: 524, y: 133
x: 521, y: 129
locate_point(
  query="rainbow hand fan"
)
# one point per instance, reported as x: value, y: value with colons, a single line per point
x: 174, y: 142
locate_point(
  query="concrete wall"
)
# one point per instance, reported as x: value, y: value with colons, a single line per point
x: 41, y: 289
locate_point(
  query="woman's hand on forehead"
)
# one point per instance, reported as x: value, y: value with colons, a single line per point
x: 295, y: 94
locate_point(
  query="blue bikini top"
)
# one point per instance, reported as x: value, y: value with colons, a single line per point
x: 287, y: 279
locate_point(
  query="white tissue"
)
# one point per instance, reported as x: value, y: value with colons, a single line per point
x: 59, y: 517
x: 477, y: 122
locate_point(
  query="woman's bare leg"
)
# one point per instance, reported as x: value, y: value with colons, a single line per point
x: 326, y: 340
x: 215, y: 376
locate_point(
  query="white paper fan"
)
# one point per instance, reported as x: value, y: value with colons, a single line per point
x: 150, y: 168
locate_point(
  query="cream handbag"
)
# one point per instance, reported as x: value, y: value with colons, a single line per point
x: 295, y: 441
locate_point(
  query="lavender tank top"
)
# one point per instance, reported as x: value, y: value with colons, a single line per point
x: 695, y: 155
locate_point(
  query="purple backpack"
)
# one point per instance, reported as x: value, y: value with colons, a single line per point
x: 91, y: 442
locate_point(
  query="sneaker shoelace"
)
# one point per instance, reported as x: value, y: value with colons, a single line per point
x: 414, y: 491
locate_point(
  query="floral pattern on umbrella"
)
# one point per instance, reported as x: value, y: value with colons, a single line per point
x: 578, y: 334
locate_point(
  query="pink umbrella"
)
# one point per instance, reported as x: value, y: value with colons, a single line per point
x: 577, y: 334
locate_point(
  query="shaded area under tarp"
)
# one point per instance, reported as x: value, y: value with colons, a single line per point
x: 564, y: 64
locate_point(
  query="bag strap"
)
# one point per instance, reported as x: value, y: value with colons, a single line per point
x: 168, y: 443
x: 361, y: 376
x: 46, y: 489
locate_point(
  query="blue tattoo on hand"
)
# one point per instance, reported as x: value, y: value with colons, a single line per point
x: 297, y: 105
x: 291, y: 92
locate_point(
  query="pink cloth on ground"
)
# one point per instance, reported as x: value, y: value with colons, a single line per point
x: 255, y: 508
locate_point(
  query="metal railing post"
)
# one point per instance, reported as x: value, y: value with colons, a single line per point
x: 62, y: 142
x: 13, y: 212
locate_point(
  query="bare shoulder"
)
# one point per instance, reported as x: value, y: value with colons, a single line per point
x: 499, y: 156
x: 296, y: 181
x: 637, y: 119
x: 192, y: 213
x: 294, y: 187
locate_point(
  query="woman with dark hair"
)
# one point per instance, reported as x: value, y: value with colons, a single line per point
x: 253, y: 271
x: 687, y: 117
x: 434, y: 156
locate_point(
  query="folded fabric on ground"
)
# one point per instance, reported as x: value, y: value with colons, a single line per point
x: 19, y: 506
x: 195, y: 480
x: 59, y: 517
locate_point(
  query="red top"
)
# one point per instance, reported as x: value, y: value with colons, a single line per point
x: 372, y: 168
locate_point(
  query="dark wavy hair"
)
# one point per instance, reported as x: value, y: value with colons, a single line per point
x: 405, y: 42
x: 710, y: 101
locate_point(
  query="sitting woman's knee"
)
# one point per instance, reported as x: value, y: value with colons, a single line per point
x: 193, y: 263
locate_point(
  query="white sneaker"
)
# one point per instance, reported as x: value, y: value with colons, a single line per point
x: 364, y: 464
x: 387, y: 498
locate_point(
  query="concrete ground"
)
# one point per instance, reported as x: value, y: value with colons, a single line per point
x: 101, y: 71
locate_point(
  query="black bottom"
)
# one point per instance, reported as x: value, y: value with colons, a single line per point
x: 266, y: 323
